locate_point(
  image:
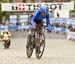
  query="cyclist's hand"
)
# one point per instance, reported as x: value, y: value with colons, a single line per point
x: 48, y: 25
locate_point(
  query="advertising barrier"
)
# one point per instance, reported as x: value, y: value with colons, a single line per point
x: 52, y: 28
x: 70, y: 35
x: 23, y: 27
x: 63, y: 20
x: 33, y: 6
x: 13, y: 18
x: 59, y: 29
x: 23, y: 18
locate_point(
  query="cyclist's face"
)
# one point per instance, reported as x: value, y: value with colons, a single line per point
x: 43, y: 14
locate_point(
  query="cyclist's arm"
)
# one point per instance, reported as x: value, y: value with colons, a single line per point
x: 34, y: 16
x: 9, y: 34
x: 47, y: 19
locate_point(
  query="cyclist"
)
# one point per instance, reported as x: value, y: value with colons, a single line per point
x: 38, y: 16
x: 6, y: 33
x: 37, y: 19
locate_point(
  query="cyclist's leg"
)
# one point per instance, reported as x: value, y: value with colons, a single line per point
x: 43, y: 28
x: 31, y: 30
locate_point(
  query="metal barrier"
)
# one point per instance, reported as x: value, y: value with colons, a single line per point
x: 15, y: 27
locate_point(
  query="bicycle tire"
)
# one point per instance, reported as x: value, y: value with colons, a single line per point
x: 37, y: 54
x: 28, y: 47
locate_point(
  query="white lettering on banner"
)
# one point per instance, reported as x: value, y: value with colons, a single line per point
x: 33, y: 6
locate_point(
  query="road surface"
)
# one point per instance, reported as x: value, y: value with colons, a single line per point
x: 57, y: 51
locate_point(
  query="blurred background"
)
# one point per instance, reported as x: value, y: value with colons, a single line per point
x: 14, y: 16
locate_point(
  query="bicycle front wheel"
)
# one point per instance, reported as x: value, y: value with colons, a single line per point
x: 40, y: 49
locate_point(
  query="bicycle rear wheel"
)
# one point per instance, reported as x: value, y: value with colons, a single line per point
x: 40, y: 49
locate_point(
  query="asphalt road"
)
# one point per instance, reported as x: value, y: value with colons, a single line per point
x: 23, y: 34
x: 57, y: 51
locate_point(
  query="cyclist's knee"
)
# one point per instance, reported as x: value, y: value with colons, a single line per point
x: 35, y: 24
x: 31, y: 30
